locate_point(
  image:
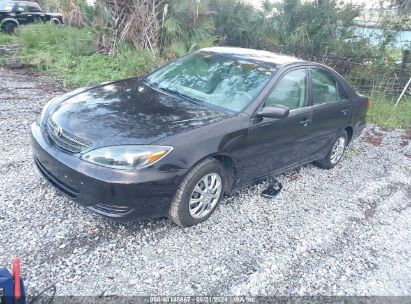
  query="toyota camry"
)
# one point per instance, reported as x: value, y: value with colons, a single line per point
x: 172, y: 143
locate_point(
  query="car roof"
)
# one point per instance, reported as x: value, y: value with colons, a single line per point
x: 265, y: 56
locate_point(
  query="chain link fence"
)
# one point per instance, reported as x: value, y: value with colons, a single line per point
x: 388, y: 80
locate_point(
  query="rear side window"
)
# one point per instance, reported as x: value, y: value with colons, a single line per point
x: 325, y: 87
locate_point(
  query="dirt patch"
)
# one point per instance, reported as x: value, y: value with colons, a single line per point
x: 367, y: 207
x: 372, y: 138
x: 407, y: 135
x: 406, y: 138
x: 295, y: 174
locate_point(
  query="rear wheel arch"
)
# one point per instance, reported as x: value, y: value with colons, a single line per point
x: 350, y: 132
x: 55, y: 21
x: 327, y: 162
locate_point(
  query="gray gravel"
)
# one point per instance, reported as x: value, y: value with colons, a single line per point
x: 344, y: 231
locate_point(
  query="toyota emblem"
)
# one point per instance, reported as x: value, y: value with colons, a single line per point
x: 58, y: 131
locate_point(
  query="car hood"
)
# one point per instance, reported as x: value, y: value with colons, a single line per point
x: 129, y: 112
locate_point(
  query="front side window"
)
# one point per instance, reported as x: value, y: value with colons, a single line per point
x: 324, y: 87
x: 290, y: 91
x: 227, y: 82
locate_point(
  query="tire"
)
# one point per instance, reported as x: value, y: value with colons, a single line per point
x: 184, y: 210
x: 332, y: 159
x: 9, y: 27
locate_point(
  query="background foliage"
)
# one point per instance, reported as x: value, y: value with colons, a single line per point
x: 115, y: 39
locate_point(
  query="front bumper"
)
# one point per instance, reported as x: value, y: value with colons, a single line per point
x: 146, y: 193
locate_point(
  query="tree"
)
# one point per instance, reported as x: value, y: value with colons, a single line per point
x: 315, y: 26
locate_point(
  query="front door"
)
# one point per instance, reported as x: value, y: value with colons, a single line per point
x: 276, y: 144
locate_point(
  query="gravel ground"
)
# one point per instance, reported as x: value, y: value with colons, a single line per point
x: 344, y: 231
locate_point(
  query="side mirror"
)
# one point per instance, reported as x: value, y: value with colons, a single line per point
x: 274, y: 111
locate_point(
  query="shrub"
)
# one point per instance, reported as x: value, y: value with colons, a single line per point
x: 63, y: 39
x: 383, y: 113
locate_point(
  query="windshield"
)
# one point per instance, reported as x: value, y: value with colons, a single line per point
x: 6, y: 6
x: 225, y: 81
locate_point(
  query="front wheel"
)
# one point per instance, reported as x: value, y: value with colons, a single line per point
x: 199, y: 194
x: 336, y: 152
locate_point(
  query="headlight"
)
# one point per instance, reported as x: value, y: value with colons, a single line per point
x: 127, y: 157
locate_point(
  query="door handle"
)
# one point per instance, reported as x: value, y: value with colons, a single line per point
x: 345, y: 111
x: 305, y: 122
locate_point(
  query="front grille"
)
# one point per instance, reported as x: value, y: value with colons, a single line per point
x: 66, y: 140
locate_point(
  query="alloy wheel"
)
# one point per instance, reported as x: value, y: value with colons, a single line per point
x: 205, y: 195
x: 337, y: 150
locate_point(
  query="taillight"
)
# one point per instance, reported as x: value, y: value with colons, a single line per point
x: 368, y: 104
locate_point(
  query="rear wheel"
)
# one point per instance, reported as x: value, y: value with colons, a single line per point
x: 9, y: 27
x: 336, y: 152
x: 199, y: 194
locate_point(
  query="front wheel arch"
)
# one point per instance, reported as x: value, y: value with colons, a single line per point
x: 179, y: 209
x: 230, y: 171
x: 6, y: 23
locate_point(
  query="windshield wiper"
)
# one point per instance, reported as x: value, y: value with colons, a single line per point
x: 190, y: 98
x: 155, y: 85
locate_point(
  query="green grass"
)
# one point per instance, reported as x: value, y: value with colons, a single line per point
x: 383, y: 113
x: 70, y: 55
x: 6, y: 39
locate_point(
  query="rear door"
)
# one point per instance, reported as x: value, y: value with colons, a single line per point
x: 275, y: 144
x: 331, y: 111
